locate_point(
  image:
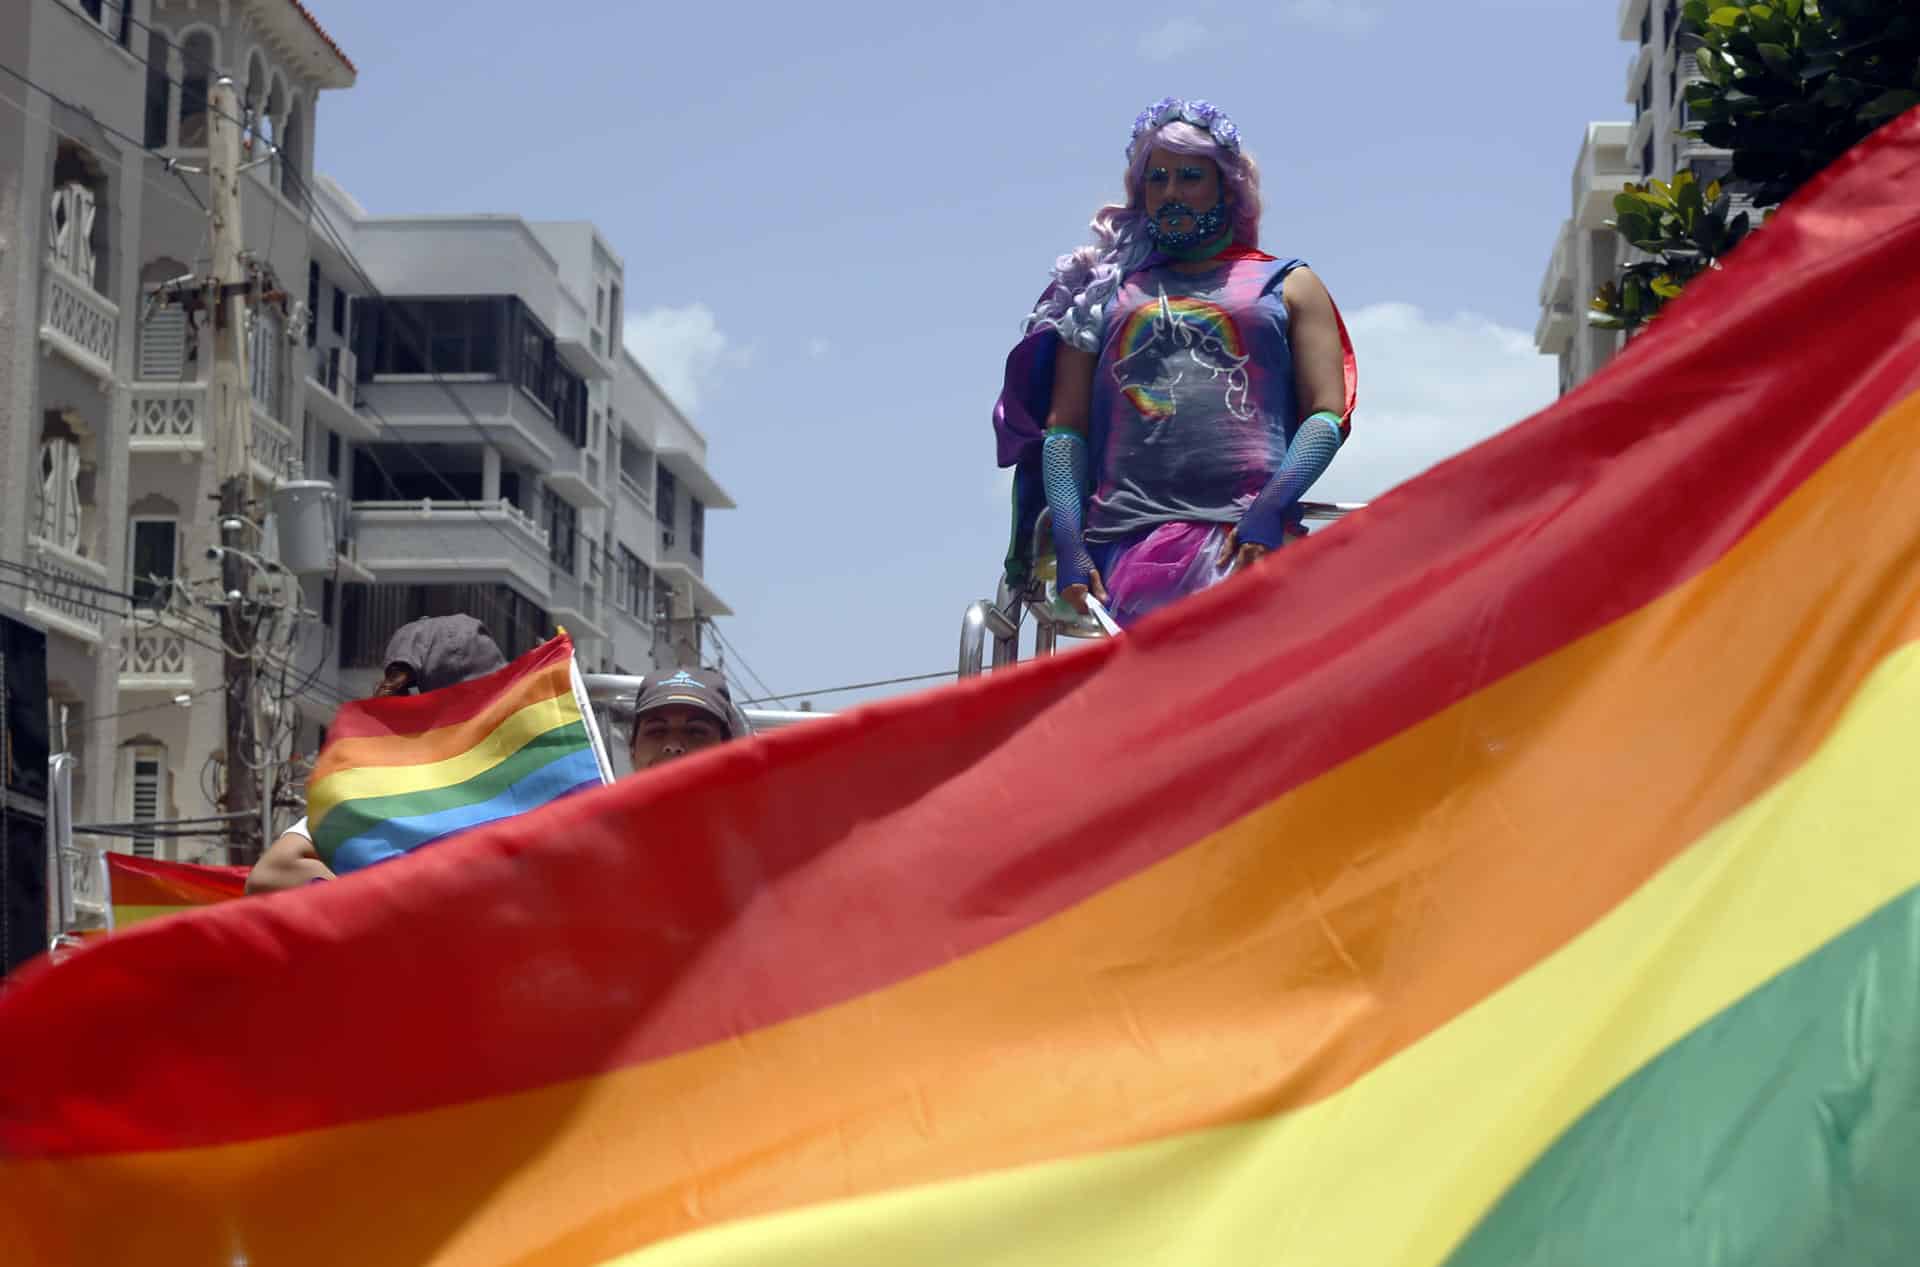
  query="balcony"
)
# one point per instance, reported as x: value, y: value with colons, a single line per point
x: 167, y: 418
x: 64, y: 591
x: 78, y: 322
x: 689, y: 586
x: 1557, y: 284
x: 575, y: 604
x: 429, y: 542
x: 575, y: 475
x: 1603, y: 171
x: 1554, y: 331
x: 455, y: 410
x: 273, y: 454
x: 154, y: 658
x: 332, y: 396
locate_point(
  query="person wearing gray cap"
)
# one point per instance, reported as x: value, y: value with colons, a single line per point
x: 423, y: 655
x: 682, y: 712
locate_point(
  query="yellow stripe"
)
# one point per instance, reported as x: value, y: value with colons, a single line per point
x: 509, y: 737
x: 125, y: 915
x: 1400, y: 1166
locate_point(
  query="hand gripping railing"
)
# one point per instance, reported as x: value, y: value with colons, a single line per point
x: 999, y: 619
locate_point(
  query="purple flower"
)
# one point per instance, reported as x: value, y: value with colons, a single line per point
x: 1202, y: 113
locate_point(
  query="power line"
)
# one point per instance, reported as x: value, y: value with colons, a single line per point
x: 735, y: 653
x: 858, y: 686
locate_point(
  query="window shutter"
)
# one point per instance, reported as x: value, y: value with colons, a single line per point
x: 147, y: 773
x: 163, y: 344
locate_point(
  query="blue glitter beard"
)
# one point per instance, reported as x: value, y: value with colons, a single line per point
x: 1206, y: 225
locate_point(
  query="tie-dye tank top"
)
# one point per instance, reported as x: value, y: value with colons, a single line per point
x: 1193, y: 398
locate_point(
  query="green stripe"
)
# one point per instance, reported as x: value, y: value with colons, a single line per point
x: 350, y: 818
x: 1784, y: 1131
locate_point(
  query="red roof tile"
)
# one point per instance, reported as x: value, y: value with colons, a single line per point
x: 322, y: 33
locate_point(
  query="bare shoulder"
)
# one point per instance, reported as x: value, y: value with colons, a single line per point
x: 1303, y: 286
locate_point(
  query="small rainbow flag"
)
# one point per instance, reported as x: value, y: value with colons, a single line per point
x: 1523, y: 871
x: 145, y: 888
x: 404, y: 771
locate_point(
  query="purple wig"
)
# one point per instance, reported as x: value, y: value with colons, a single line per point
x: 1086, y: 279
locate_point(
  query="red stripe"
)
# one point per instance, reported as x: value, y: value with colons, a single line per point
x: 151, y: 882
x: 409, y: 715
x: 759, y: 882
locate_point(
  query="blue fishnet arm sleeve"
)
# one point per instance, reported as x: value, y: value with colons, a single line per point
x: 1307, y: 459
x: 1063, y: 472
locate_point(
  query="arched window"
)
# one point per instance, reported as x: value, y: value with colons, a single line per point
x: 292, y: 153
x: 196, y: 76
x: 159, y: 89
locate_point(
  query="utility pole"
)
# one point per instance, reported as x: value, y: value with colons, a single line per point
x: 229, y: 400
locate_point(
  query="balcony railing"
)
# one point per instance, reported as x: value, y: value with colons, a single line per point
x: 426, y: 540
x: 65, y: 590
x: 274, y: 454
x: 155, y: 658
x: 167, y: 417
x: 77, y: 321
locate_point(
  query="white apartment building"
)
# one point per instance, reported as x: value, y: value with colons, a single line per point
x: 460, y: 380
x: 1586, y: 252
x: 505, y: 455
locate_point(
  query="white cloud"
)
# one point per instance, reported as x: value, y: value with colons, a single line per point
x: 683, y: 349
x: 1338, y: 17
x: 1176, y: 37
x: 1429, y: 388
x: 818, y: 347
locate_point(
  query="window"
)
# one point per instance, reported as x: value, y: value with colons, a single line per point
x: 149, y: 773
x: 265, y: 337
x: 196, y: 62
x: 313, y: 301
x: 333, y: 455
x: 153, y: 561
x: 1671, y: 20
x: 662, y: 601
x: 109, y: 15
x: 340, y: 312
x: 1646, y: 158
x: 635, y: 581
x: 696, y: 527
x: 600, y: 306
x: 613, y: 318
x: 370, y: 614
x: 328, y: 595
x: 563, y: 523
x: 423, y: 336
x: 663, y: 494
x: 1646, y: 24
x: 633, y: 464
x: 159, y: 92
x: 1645, y: 103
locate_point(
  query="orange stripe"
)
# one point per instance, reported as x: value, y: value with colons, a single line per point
x: 446, y: 741
x: 1258, y: 971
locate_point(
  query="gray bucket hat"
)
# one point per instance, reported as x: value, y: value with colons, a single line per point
x: 444, y: 650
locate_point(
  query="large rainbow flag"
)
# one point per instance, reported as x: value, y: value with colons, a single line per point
x: 1526, y: 870
x: 141, y: 889
x: 405, y: 771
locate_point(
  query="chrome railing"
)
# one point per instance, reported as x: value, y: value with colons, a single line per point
x: 998, y: 620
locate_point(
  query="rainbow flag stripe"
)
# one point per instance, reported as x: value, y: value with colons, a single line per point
x: 146, y: 888
x: 404, y: 772
x: 1522, y: 871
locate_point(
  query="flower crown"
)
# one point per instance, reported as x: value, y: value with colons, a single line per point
x: 1202, y: 114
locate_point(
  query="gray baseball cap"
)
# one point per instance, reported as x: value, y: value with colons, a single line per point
x: 444, y: 650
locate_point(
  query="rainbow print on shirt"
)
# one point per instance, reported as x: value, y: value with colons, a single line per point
x: 1163, y: 343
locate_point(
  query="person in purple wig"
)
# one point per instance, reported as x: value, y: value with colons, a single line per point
x: 1177, y: 390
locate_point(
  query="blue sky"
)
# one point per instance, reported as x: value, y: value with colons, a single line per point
x: 834, y: 215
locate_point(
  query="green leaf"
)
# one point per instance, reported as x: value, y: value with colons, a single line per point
x: 1726, y: 16
x: 1888, y: 104
x: 1665, y: 287
x: 1792, y: 7
x: 1713, y: 196
x: 1778, y: 59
